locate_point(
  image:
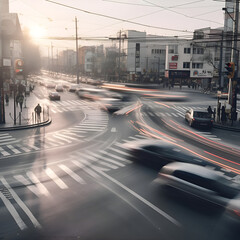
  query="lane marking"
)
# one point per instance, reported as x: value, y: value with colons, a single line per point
x: 28, y: 184
x: 12, y: 148
x: 72, y: 174
x: 43, y: 190
x: 105, y: 159
x: 87, y: 170
x: 3, y: 152
x: 13, y: 212
x: 55, y: 178
x: 21, y: 203
x: 116, y: 157
x: 146, y: 202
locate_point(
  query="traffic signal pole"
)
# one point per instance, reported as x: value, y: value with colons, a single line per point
x: 235, y: 56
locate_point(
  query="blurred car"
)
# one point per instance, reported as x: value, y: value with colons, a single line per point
x: 157, y: 153
x: 111, y: 104
x: 50, y: 85
x: 54, y: 96
x: 198, y: 181
x: 59, y: 88
x: 73, y: 88
x: 198, y: 118
x: 93, y: 94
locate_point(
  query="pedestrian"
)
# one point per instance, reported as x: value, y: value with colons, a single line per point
x: 20, y: 100
x: 38, y: 110
x: 218, y: 112
x: 223, y: 116
x: 16, y: 100
x: 210, y: 111
x: 7, y: 99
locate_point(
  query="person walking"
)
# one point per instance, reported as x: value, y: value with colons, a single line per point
x: 223, y: 116
x: 38, y: 110
x: 6, y: 99
x: 20, y: 100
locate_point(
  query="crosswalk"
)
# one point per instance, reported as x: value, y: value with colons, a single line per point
x: 95, y: 121
x: 112, y: 158
x: 6, y: 138
x: 72, y: 105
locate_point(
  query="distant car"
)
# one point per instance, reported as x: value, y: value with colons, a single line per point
x: 198, y: 181
x: 54, y: 96
x: 198, y: 118
x: 157, y: 153
x: 59, y: 88
x: 50, y: 85
x: 73, y: 88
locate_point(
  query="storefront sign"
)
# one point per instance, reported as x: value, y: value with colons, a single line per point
x: 172, y: 65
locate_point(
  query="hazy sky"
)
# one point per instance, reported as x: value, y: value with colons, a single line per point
x: 58, y: 21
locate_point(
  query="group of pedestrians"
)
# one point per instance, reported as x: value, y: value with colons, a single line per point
x: 221, y: 113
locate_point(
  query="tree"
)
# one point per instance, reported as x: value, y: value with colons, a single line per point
x: 31, y: 55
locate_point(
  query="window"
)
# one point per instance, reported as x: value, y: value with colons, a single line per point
x: 186, y: 65
x: 152, y: 51
x: 187, y: 50
x: 198, y: 50
x: 197, y: 65
x: 173, y: 49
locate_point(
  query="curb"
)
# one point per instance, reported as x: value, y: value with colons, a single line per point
x: 49, y: 121
x: 228, y: 128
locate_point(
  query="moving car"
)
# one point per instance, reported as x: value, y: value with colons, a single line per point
x: 93, y: 94
x: 54, y: 96
x: 198, y: 181
x: 157, y: 153
x: 198, y: 118
x: 59, y: 88
x: 73, y: 88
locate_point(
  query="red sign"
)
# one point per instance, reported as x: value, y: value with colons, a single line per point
x: 172, y: 65
x: 175, y: 58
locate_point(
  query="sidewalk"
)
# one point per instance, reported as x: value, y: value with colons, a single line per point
x: 26, y: 118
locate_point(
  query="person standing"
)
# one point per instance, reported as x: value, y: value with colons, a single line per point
x: 223, y: 116
x: 6, y: 99
x: 38, y: 110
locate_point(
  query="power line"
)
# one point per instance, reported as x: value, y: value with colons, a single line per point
x: 115, y: 18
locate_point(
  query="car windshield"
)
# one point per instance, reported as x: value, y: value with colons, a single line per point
x: 202, y: 114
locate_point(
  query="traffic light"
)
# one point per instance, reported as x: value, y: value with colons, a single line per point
x: 18, y: 66
x: 230, y: 67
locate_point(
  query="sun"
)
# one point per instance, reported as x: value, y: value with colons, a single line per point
x: 37, y: 32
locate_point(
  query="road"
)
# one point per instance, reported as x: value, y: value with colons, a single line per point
x: 75, y: 179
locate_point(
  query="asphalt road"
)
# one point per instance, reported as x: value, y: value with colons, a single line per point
x: 75, y: 179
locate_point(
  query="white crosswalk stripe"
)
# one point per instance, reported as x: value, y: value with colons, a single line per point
x: 6, y: 138
x: 16, y: 151
x: 72, y: 174
x: 55, y: 178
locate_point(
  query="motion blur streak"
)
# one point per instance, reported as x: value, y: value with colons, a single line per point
x: 222, y: 158
x: 192, y: 152
x: 161, y: 133
x: 134, y: 109
x: 163, y: 95
x: 165, y: 105
x: 199, y: 137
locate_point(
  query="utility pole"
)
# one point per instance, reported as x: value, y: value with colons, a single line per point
x: 119, y: 61
x: 221, y: 77
x: 235, y: 55
x: 52, y: 57
x: 77, y: 62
